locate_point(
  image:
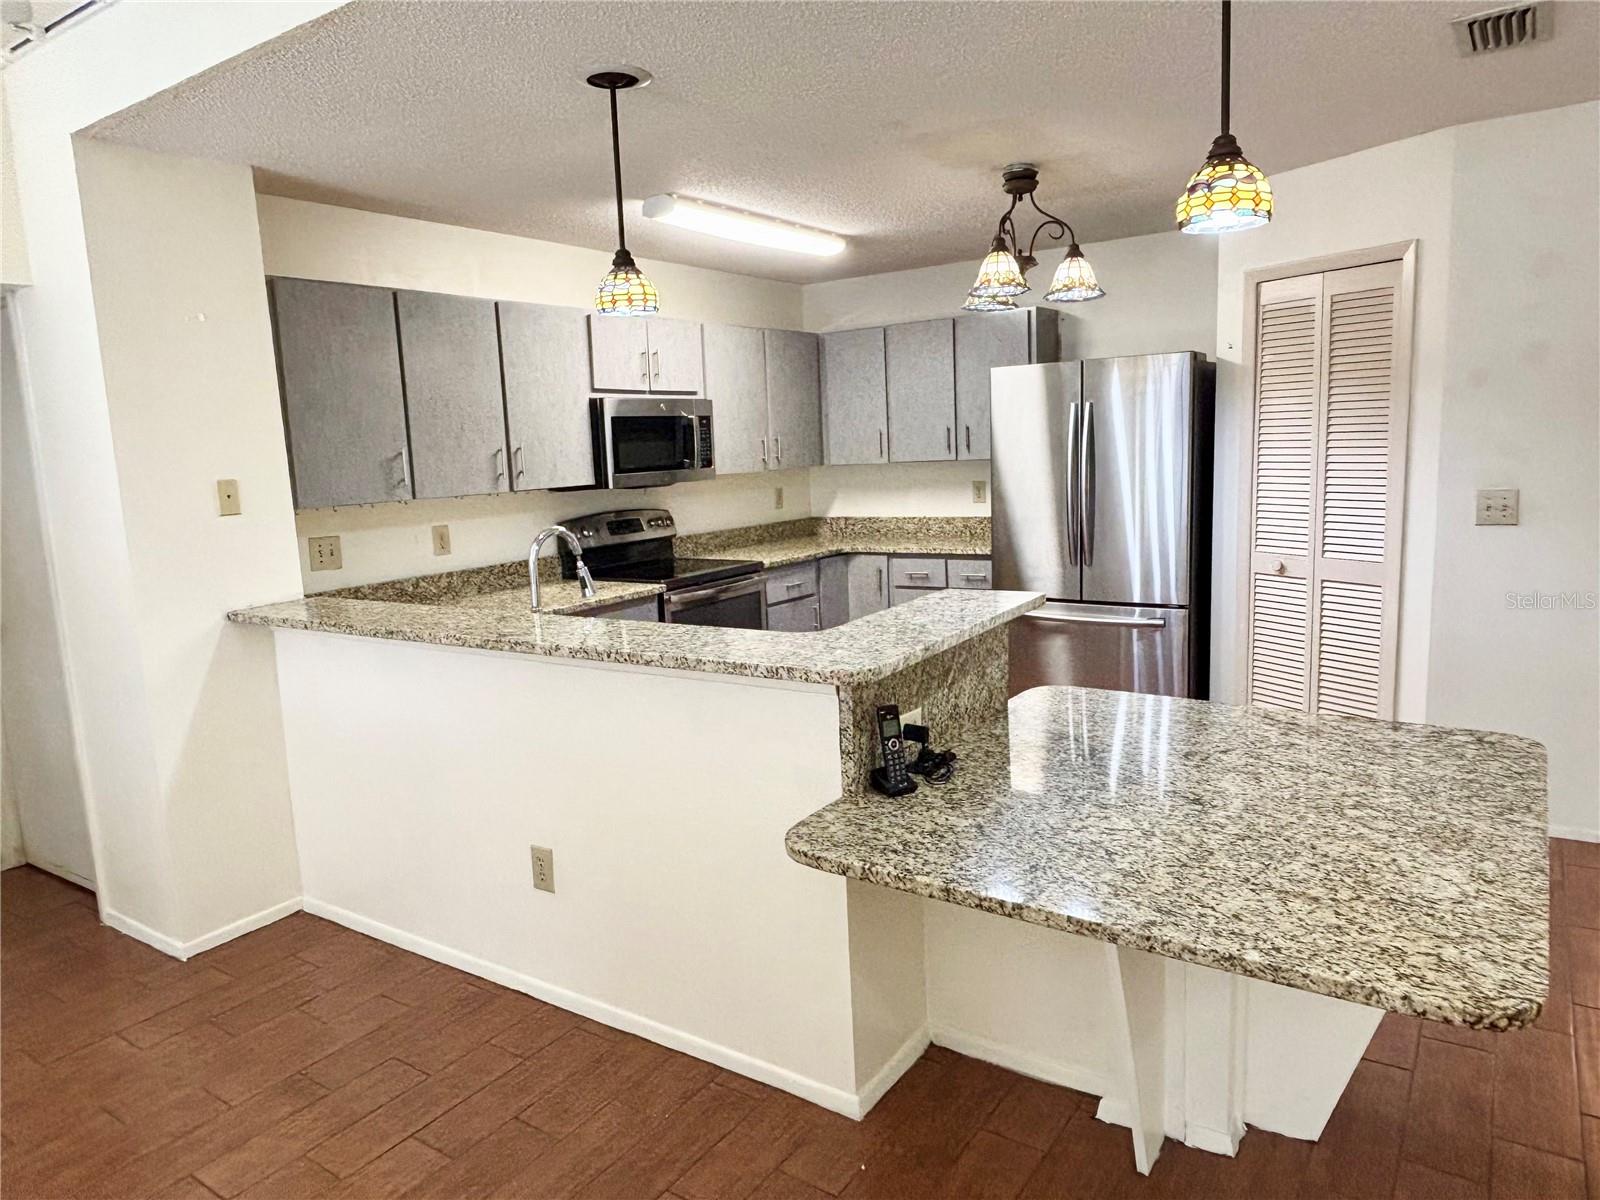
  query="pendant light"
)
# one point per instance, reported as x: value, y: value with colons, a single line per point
x: 1228, y: 192
x: 1003, y: 273
x: 624, y: 292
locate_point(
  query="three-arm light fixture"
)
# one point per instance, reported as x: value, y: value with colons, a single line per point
x: 1003, y: 273
x: 624, y: 292
x: 1228, y: 192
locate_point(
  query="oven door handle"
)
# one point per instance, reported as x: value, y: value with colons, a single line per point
x: 725, y: 590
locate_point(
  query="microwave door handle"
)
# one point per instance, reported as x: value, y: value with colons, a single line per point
x: 1072, y: 533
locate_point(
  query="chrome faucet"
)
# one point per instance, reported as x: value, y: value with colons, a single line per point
x: 585, y: 580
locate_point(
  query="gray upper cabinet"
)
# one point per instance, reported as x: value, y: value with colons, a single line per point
x: 988, y: 340
x: 922, y: 390
x: 736, y: 380
x: 619, y: 349
x: 854, y: 397
x: 794, y: 400
x: 544, y: 350
x: 675, y: 356
x: 450, y: 360
x: 339, y: 362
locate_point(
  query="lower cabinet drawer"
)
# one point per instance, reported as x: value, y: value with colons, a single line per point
x: 970, y: 573
x: 917, y: 572
x: 791, y: 583
x: 795, y: 616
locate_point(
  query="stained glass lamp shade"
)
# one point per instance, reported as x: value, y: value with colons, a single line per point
x: 1074, y: 279
x: 1228, y: 192
x: 977, y: 303
x: 625, y: 292
x: 999, y: 275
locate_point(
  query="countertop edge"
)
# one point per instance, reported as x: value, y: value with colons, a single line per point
x: 1510, y: 1014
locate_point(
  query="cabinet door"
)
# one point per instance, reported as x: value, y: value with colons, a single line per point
x: 797, y: 616
x: 450, y: 360
x: 675, y: 356
x: 984, y: 341
x: 922, y: 390
x: 619, y: 354
x: 794, y: 399
x: 855, y: 415
x: 868, y: 577
x: 339, y: 360
x: 736, y: 382
x: 544, y: 351
x: 833, y: 590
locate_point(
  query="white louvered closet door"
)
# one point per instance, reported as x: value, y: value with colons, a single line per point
x: 1328, y: 466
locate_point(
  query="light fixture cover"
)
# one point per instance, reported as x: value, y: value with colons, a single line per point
x: 625, y: 292
x: 1228, y: 192
x: 738, y: 226
x: 977, y: 303
x: 1074, y: 279
x: 999, y: 274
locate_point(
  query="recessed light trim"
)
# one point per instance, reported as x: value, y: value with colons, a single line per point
x: 737, y: 226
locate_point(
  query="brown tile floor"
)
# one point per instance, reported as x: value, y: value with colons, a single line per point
x: 305, y: 1060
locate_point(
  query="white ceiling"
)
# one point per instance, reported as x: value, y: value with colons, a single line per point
x: 885, y: 122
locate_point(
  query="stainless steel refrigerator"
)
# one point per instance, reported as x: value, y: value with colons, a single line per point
x: 1102, y: 501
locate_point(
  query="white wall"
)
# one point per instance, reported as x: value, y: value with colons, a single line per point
x: 1504, y: 387
x: 13, y: 247
x: 388, y: 541
x: 1160, y: 295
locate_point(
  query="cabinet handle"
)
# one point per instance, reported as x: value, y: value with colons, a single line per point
x: 880, y: 443
x: 655, y: 364
x: 517, y: 461
x: 644, y: 365
x: 948, y: 447
x: 500, y: 463
x: 917, y: 575
x: 965, y: 575
x: 777, y: 448
x: 405, y: 470
x: 880, y: 581
x: 796, y: 586
x: 763, y: 451
x: 969, y: 438
x: 816, y: 616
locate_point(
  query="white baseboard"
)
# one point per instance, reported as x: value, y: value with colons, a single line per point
x: 899, y: 1063
x: 1575, y: 833
x: 187, y: 950
x: 824, y: 1095
x: 1072, y: 1075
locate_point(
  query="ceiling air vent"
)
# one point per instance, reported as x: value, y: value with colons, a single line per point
x: 1502, y: 28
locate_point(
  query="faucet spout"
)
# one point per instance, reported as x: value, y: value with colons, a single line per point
x: 585, y: 580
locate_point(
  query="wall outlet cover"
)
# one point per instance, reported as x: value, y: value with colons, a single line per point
x: 980, y: 491
x: 325, y: 553
x: 441, y: 539
x: 227, y: 497
x: 1498, y: 506
x: 777, y: 497
x: 544, y: 868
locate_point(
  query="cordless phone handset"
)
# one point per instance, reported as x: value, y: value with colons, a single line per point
x: 892, y: 779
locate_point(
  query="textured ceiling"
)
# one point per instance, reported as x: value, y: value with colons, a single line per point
x: 884, y: 122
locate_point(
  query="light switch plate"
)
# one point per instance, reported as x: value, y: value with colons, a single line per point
x: 441, y: 539
x: 980, y: 491
x: 227, y: 497
x: 544, y: 868
x: 325, y: 554
x: 1498, y: 506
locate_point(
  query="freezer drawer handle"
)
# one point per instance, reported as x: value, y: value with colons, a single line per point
x: 1086, y: 619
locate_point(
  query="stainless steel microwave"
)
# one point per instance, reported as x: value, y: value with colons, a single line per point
x: 651, y: 441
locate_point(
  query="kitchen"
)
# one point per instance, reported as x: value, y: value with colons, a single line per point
x: 854, y: 513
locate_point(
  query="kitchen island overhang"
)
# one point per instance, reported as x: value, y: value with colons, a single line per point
x: 1398, y: 867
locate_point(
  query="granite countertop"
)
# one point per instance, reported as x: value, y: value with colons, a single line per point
x: 787, y: 542
x: 1398, y: 866
x: 870, y: 648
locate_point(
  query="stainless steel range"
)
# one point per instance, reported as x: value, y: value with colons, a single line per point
x: 638, y: 545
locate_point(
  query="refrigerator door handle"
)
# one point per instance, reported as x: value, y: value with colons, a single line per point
x: 1072, y: 532
x: 1087, y: 619
x: 1086, y: 484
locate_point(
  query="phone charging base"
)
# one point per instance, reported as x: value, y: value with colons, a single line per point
x: 880, y: 782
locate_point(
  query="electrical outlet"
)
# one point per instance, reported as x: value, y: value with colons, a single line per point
x: 441, y: 539
x: 325, y: 555
x: 1497, y: 506
x: 914, y: 717
x: 777, y: 497
x: 544, y: 868
x: 227, y: 497
x: 980, y: 491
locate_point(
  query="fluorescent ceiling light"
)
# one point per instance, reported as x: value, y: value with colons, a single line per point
x: 741, y: 226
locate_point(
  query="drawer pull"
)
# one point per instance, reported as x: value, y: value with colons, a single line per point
x: 795, y: 585
x: 916, y: 575
x: 965, y: 575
